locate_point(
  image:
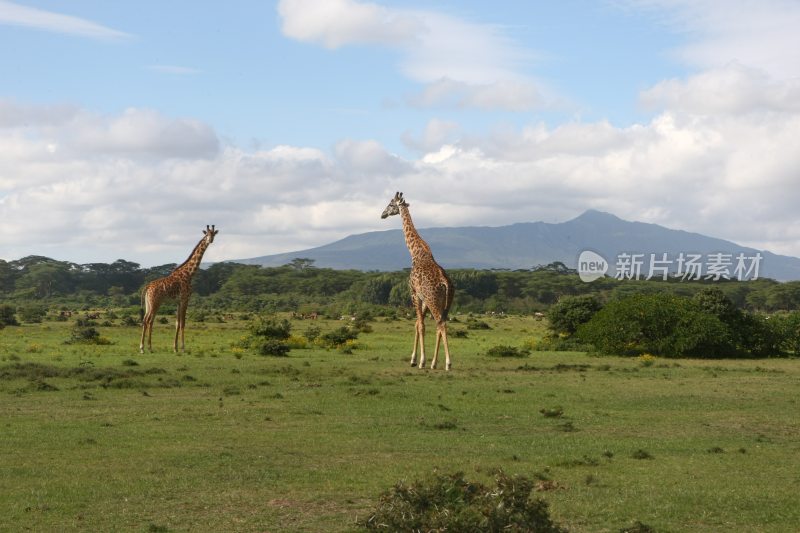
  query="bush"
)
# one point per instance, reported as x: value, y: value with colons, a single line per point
x: 752, y: 334
x: 82, y: 334
x: 789, y: 326
x: 7, y: 316
x: 571, y: 311
x: 312, y: 333
x: 338, y: 337
x: 32, y: 314
x: 271, y: 328
x: 271, y: 347
x: 450, y: 503
x: 473, y: 323
x: 268, y: 336
x: 507, y: 351
x: 660, y: 324
x: 758, y: 336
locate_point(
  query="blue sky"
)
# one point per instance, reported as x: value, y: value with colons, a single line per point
x: 125, y: 128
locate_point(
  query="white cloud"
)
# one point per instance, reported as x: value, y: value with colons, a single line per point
x: 65, y: 131
x: 729, y: 89
x: 369, y: 158
x: 335, y: 23
x: 726, y: 174
x: 14, y: 114
x: 759, y: 34
x: 437, y: 133
x: 18, y: 15
x: 508, y: 95
x: 460, y: 62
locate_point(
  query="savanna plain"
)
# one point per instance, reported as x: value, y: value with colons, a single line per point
x: 101, y: 438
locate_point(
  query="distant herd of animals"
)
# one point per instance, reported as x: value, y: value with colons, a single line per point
x: 431, y: 289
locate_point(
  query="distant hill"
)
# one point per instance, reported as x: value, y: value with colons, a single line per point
x: 526, y: 245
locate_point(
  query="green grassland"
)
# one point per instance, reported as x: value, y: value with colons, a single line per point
x: 101, y: 438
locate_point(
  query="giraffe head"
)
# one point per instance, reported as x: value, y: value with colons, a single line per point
x: 210, y: 232
x: 394, y: 205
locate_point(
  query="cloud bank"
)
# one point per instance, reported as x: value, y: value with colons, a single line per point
x: 140, y: 185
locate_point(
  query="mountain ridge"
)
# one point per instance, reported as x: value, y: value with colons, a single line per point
x: 525, y: 245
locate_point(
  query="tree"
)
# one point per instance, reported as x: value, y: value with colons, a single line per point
x: 660, y: 324
x: 555, y: 266
x: 376, y: 290
x: 301, y: 263
x: 8, y: 276
x: 7, y: 316
x: 47, y: 279
x: 476, y: 283
x: 571, y: 311
x: 789, y: 325
x: 32, y: 313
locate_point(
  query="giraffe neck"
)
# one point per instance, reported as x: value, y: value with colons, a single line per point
x: 417, y: 247
x: 190, y: 266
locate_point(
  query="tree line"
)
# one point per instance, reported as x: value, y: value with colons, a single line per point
x: 302, y: 287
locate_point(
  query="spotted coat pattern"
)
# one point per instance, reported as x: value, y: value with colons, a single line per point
x: 176, y: 286
x: 431, y: 289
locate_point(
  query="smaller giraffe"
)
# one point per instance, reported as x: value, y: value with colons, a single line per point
x: 431, y: 289
x: 176, y: 286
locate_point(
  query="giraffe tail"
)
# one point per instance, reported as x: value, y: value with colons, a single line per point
x: 448, y: 298
x: 141, y: 305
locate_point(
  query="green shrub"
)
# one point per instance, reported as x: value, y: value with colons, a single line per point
x: 789, y: 326
x: 268, y: 336
x: 338, y: 337
x: 473, y: 323
x: 752, y: 334
x: 660, y: 324
x: 271, y: 328
x: 312, y: 333
x: 32, y: 313
x: 450, y: 503
x: 566, y: 315
x: 507, y: 351
x: 82, y: 334
x: 7, y: 316
x: 271, y: 347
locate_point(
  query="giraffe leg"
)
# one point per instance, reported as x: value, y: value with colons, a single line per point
x: 177, y: 327
x: 414, y: 351
x: 144, y: 332
x: 420, y: 311
x: 436, y: 347
x: 421, y: 334
x: 184, y: 307
x: 446, y: 347
x: 149, y: 318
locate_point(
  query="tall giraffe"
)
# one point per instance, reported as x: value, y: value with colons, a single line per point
x: 431, y: 289
x: 177, y: 286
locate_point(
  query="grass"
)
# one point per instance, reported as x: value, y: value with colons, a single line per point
x: 98, y: 437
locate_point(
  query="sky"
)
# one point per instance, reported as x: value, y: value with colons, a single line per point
x: 127, y: 127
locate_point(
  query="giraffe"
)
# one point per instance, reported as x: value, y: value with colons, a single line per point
x: 178, y: 286
x: 431, y: 289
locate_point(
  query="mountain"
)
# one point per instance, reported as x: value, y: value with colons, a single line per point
x: 526, y: 245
